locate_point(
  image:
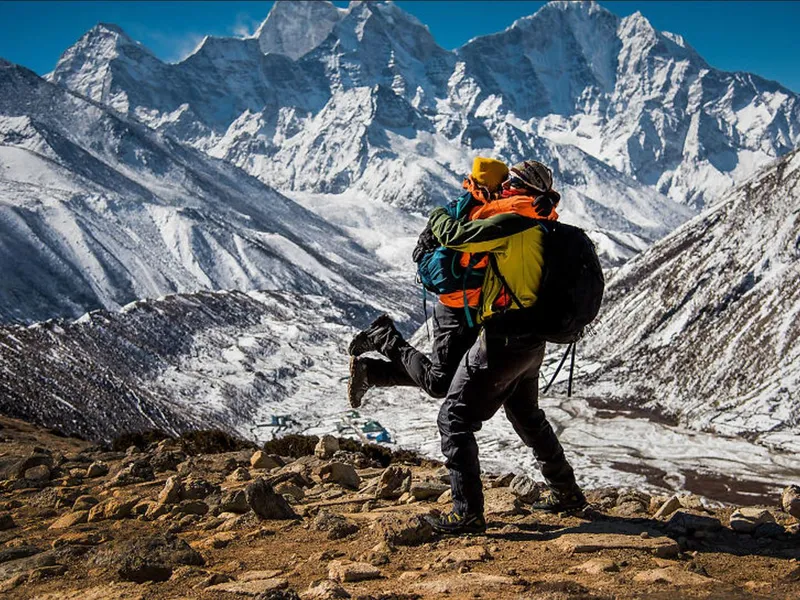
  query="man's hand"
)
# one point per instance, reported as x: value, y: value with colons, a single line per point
x: 545, y: 203
x: 426, y: 242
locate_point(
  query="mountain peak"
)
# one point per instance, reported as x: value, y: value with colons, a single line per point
x: 296, y: 28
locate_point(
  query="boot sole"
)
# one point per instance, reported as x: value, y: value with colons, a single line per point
x: 350, y: 384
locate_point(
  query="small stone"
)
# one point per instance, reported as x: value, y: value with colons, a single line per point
x: 240, y: 474
x: 526, y: 489
x: 266, y: 503
x: 341, y: 473
x: 6, y: 522
x: 426, y: 490
x: 214, y: 579
x: 138, y: 471
x: 261, y: 460
x: 445, y: 498
x: 192, y: 507
x: 96, y: 469
x: 691, y: 502
x: 79, y: 538
x: 394, y: 481
x: 70, y: 519
x: 218, y: 540
x: 669, y: 507
x: 503, y: 480
x: 84, y: 503
x: 790, y: 500
x: 38, y: 473
x: 326, y: 447
x: 598, y: 566
x: 289, y: 489
x: 746, y: 519
x: 172, y: 491
x: 352, y: 571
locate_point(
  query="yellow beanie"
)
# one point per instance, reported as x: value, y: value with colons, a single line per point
x: 489, y: 172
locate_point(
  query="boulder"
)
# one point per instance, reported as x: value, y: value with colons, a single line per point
x: 746, y: 519
x: 111, y: 509
x: 198, y: 489
x: 336, y: 526
x: 37, y: 473
x: 326, y: 447
x: 672, y: 576
x: 686, y: 523
x: 326, y: 589
x: 573, y: 543
x: 172, y: 491
x: 262, y: 460
x: 261, y: 497
x: 70, y: 519
x: 261, y: 588
x: 790, y: 500
x: 289, y: 489
x: 153, y: 558
x: 341, y: 473
x: 234, y: 502
x: 393, y: 483
x: 404, y: 531
x: 352, y: 571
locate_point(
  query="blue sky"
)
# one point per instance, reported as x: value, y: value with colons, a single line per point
x: 760, y: 37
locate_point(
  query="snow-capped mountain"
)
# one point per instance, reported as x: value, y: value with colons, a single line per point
x: 98, y: 211
x: 705, y: 324
x: 366, y: 100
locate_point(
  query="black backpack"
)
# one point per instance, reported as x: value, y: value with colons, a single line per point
x: 570, y: 292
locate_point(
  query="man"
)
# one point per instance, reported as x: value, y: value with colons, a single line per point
x: 454, y: 329
x: 502, y: 366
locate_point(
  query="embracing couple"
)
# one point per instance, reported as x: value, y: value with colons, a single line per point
x: 485, y: 353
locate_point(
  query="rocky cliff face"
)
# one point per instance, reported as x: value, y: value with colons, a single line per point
x: 703, y: 325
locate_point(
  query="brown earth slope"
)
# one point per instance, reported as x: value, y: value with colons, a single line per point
x: 164, y: 521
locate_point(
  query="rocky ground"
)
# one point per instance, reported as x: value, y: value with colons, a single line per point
x: 208, y: 517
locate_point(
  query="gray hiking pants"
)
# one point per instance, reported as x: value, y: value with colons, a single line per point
x: 497, y: 371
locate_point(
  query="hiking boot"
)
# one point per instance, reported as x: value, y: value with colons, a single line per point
x: 556, y: 501
x: 377, y: 337
x: 358, y: 384
x: 454, y: 523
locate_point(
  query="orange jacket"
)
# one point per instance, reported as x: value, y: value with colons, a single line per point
x: 511, y: 203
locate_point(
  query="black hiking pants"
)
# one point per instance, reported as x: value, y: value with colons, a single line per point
x: 497, y: 371
x: 452, y: 337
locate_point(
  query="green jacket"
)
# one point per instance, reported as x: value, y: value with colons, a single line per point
x: 517, y: 245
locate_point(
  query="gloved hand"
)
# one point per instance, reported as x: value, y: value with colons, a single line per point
x: 545, y: 203
x: 425, y: 243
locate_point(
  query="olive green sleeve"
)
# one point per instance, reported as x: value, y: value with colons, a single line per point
x: 482, y: 235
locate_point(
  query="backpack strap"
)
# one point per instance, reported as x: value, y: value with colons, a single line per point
x: 493, y: 263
